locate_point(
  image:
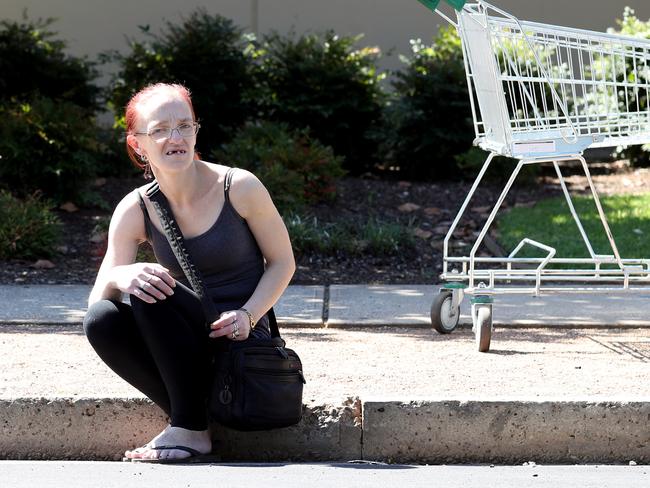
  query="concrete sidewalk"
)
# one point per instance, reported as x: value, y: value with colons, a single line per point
x: 361, y: 305
x: 382, y: 385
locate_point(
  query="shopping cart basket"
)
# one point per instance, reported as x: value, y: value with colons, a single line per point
x: 542, y: 94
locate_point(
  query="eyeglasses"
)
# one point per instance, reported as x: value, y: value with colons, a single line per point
x: 159, y: 134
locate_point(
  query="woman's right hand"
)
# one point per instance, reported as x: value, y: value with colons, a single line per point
x: 149, y: 282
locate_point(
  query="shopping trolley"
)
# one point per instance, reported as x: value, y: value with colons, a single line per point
x: 542, y: 94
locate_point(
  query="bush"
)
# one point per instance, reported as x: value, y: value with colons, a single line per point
x: 205, y: 53
x: 46, y: 145
x: 296, y: 169
x: 631, y: 26
x: 33, y: 63
x: 323, y: 83
x: 47, y: 104
x: 429, y: 119
x: 27, y: 228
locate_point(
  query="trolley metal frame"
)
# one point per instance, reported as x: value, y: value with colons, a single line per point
x: 542, y: 94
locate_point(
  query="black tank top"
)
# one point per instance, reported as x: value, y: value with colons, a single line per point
x: 227, y: 255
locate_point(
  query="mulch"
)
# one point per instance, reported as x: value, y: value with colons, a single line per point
x: 426, y: 208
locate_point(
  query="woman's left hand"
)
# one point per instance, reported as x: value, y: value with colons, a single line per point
x: 234, y: 324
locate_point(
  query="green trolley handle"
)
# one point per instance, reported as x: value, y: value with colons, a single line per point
x: 433, y: 4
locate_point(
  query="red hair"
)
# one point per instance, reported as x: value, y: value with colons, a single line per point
x: 142, y: 96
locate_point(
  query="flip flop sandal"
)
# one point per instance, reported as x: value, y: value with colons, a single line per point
x: 195, y: 456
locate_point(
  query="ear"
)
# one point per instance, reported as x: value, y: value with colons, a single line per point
x: 132, y: 141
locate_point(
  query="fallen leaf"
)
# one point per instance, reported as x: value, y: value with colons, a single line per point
x: 408, y: 207
x: 98, y: 237
x: 403, y: 184
x: 43, y: 264
x: 424, y: 234
x: 483, y: 209
x: 69, y: 207
x: 431, y: 211
x: 437, y: 244
x: 62, y: 249
x: 99, y: 182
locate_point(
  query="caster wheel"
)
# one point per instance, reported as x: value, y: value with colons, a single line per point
x: 443, y: 318
x: 483, y: 328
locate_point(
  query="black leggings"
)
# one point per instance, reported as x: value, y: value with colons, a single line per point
x: 162, y: 349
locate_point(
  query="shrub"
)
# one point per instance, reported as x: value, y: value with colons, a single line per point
x: 429, y: 119
x: 33, y: 63
x: 630, y: 25
x: 295, y: 168
x: 47, y: 103
x: 27, y: 228
x: 323, y: 83
x: 46, y: 145
x: 207, y: 54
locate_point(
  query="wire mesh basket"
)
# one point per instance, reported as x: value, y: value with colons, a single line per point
x: 542, y: 93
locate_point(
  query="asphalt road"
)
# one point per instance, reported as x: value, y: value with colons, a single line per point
x: 80, y: 474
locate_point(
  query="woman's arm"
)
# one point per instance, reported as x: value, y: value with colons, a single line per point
x: 118, y: 273
x: 253, y: 202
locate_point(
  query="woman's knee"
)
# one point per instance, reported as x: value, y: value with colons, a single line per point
x: 102, y: 318
x: 183, y: 300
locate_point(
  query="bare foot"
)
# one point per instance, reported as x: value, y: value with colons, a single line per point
x: 173, y: 436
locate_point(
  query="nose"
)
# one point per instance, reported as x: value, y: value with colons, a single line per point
x: 176, y: 131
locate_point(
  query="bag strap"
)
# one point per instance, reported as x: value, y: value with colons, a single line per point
x: 177, y: 243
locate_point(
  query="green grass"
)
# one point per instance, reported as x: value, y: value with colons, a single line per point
x: 550, y: 222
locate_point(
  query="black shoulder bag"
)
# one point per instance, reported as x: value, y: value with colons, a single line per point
x: 257, y: 383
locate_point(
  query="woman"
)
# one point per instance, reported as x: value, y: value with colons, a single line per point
x: 236, y: 238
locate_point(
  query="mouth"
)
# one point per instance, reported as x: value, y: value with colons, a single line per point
x: 174, y: 152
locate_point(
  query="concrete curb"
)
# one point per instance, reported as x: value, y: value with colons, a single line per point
x: 102, y: 429
x: 507, y: 431
x: 444, y: 431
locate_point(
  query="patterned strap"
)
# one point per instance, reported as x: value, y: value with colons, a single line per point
x: 147, y: 219
x: 175, y: 238
x: 228, y: 183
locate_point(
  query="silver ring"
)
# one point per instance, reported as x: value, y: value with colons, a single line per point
x: 232, y: 336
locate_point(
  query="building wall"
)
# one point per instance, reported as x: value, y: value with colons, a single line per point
x: 91, y: 26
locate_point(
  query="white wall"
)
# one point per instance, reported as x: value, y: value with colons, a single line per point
x: 91, y: 26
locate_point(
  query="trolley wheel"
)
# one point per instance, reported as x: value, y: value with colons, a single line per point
x: 483, y: 328
x: 443, y: 318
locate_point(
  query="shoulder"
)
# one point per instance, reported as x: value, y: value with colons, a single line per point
x: 127, y: 218
x: 247, y: 193
x: 130, y: 203
x: 246, y: 180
